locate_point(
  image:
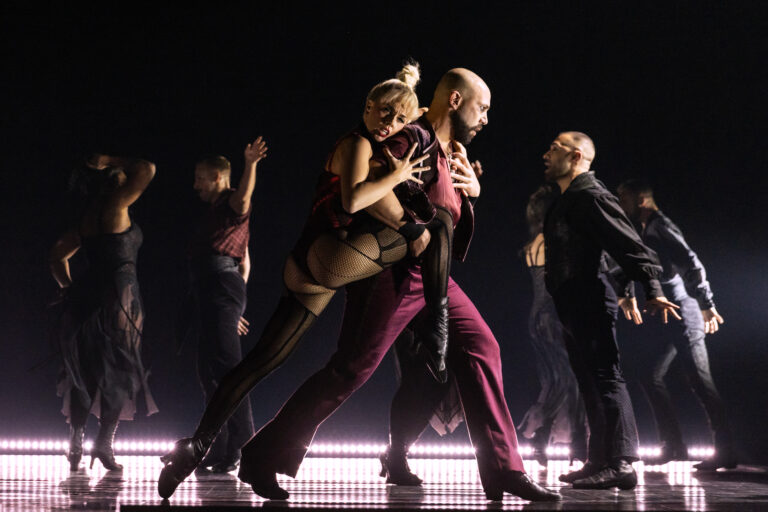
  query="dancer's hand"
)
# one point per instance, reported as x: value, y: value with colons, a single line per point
x: 478, y: 168
x: 417, y: 246
x: 463, y: 175
x: 629, y: 306
x: 712, y: 320
x: 664, y: 306
x: 255, y: 151
x: 242, y: 326
x: 405, y: 169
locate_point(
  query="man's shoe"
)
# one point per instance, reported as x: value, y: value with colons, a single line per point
x: 619, y: 474
x: 727, y: 461
x: 520, y: 484
x: 264, y: 483
x: 587, y: 470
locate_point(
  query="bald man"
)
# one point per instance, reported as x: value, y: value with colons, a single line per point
x: 584, y: 222
x: 378, y: 309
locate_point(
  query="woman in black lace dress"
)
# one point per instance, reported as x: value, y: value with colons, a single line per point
x: 558, y: 414
x: 101, y: 312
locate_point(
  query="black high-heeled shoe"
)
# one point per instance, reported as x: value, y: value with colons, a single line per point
x: 396, y: 470
x: 102, y: 447
x: 75, y: 452
x: 179, y: 464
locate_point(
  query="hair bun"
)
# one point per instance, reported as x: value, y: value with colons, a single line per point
x: 410, y: 74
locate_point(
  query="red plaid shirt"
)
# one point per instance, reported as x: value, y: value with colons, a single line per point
x: 222, y: 230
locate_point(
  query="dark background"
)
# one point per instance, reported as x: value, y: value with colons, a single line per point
x: 673, y: 94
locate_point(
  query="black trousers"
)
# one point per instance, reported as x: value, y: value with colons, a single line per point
x: 682, y: 342
x: 588, y: 317
x: 221, y: 298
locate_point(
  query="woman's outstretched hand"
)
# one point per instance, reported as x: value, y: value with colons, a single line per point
x: 405, y: 168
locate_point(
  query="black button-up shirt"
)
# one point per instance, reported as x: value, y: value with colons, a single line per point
x: 585, y: 221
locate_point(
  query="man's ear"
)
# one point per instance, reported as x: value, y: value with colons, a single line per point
x: 644, y: 202
x: 454, y: 100
x: 577, y: 156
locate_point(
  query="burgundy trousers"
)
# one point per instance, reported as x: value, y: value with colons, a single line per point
x: 377, y: 310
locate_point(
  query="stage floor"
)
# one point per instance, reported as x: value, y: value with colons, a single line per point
x: 43, y: 482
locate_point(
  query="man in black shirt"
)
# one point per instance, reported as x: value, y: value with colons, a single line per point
x: 684, y: 280
x: 585, y: 221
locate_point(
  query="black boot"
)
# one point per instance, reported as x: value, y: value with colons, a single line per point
x: 180, y: 463
x: 540, y: 442
x: 102, y: 448
x: 75, y: 452
x: 432, y: 335
x: 394, y: 466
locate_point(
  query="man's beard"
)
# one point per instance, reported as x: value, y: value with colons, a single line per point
x: 461, y: 129
x: 553, y: 173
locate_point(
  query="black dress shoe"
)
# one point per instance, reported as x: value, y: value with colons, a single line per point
x: 619, y: 474
x: 717, y: 462
x: 519, y: 484
x: 264, y: 483
x: 588, y: 469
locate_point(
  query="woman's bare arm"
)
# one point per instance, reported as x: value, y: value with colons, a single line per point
x: 64, y: 248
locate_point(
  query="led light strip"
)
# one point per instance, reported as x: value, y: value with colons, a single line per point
x: 433, y: 451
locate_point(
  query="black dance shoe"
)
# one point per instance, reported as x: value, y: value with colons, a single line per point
x: 520, y: 484
x: 264, y: 483
x: 619, y: 474
x: 179, y: 463
x: 726, y: 461
x: 433, y: 336
x: 588, y: 469
x: 396, y: 470
x: 75, y: 453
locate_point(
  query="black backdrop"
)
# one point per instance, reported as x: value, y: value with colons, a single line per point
x: 669, y: 93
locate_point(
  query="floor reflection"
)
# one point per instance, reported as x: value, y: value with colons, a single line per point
x: 44, y: 482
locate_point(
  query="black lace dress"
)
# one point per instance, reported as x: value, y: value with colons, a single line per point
x: 100, y: 331
x: 558, y: 414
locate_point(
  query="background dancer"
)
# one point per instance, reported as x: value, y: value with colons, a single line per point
x: 218, y: 265
x: 683, y: 280
x: 339, y: 245
x: 101, y: 315
x: 585, y: 221
x: 558, y: 414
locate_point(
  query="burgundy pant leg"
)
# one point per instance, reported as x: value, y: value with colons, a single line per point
x: 476, y: 362
x: 377, y: 309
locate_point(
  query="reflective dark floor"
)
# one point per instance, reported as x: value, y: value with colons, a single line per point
x: 43, y: 482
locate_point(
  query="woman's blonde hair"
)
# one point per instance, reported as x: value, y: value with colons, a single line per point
x: 400, y: 91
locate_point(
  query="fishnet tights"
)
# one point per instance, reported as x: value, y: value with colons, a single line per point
x: 335, y: 259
